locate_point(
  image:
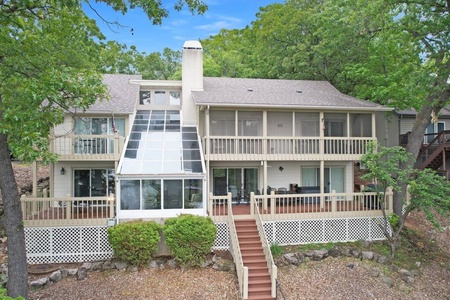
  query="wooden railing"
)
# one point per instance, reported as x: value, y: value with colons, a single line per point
x: 266, y: 247
x: 67, y: 211
x: 442, y: 138
x: 241, y: 270
x: 309, y: 206
x: 302, y: 148
x: 90, y: 147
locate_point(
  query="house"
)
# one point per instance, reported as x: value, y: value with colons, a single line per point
x: 266, y: 158
x: 435, y: 149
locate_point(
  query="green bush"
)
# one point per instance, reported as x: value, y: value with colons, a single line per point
x: 3, y: 295
x: 276, y: 250
x: 190, y: 238
x: 134, y: 242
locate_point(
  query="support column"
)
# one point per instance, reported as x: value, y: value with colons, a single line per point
x: 322, y: 184
x: 34, y: 171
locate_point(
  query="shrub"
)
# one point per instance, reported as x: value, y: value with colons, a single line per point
x: 3, y: 295
x: 134, y: 242
x: 190, y: 238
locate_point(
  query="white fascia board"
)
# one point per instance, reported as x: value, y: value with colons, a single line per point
x: 156, y: 83
x: 299, y: 107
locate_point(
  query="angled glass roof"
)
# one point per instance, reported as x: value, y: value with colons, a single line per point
x: 158, y: 144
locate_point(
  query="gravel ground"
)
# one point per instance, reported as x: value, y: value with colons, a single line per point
x: 331, y: 278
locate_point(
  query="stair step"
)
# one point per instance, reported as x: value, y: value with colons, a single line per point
x: 260, y: 297
x: 262, y: 291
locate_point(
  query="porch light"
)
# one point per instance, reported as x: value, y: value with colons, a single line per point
x: 281, y: 169
x: 63, y: 171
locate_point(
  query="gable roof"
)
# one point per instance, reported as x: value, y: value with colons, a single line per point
x: 235, y: 92
x: 445, y: 112
x: 123, y: 95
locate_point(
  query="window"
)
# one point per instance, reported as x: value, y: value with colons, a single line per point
x: 432, y: 131
x: 160, y: 98
x: 334, y: 178
x: 222, y: 123
x: 250, y: 123
x: 360, y: 125
x: 156, y: 194
x: 335, y: 124
x: 93, y: 182
x: 307, y: 124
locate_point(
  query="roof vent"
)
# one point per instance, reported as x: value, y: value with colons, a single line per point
x: 250, y: 89
x: 299, y: 91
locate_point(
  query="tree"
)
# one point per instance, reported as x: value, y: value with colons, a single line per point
x: 428, y: 192
x: 48, y: 64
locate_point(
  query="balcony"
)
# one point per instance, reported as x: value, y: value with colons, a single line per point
x: 289, y: 148
x: 88, y: 147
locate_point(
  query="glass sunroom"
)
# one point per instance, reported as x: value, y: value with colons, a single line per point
x: 162, y: 171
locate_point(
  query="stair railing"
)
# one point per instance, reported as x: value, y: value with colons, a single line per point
x: 266, y: 247
x: 241, y: 270
x: 441, y: 138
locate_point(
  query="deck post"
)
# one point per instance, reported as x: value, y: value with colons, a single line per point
x: 68, y: 208
x: 210, y: 204
x: 333, y: 201
x: 111, y: 205
x: 252, y: 203
x: 390, y: 199
x: 272, y: 204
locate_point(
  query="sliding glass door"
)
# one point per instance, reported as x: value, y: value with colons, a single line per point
x: 240, y: 182
x: 93, y: 182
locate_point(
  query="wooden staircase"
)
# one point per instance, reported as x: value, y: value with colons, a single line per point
x: 436, y: 153
x: 259, y: 283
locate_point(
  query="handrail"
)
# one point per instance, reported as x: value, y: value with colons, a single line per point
x: 265, y: 244
x: 241, y: 270
x: 436, y: 141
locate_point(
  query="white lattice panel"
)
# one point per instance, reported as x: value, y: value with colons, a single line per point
x: 335, y: 230
x: 222, y: 241
x: 287, y: 232
x: 67, y: 244
x: 376, y: 231
x: 359, y: 229
x: 269, y: 230
x: 311, y: 231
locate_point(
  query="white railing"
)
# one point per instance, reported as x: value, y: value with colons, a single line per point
x: 266, y: 247
x: 241, y: 270
x: 67, y: 211
x: 303, y: 148
x: 309, y: 206
x: 88, y: 146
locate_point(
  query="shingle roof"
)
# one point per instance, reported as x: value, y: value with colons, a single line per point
x: 123, y: 95
x: 276, y: 93
x: 445, y: 112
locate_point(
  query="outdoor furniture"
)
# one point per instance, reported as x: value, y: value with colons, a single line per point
x: 310, y: 190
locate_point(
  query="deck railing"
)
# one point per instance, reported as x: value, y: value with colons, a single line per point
x: 309, y: 206
x: 241, y: 270
x: 266, y: 247
x: 302, y: 148
x: 88, y: 146
x: 67, y: 211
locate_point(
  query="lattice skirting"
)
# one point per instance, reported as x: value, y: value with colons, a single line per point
x: 67, y: 244
x: 294, y: 232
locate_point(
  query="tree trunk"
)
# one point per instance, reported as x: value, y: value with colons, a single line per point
x: 17, y: 260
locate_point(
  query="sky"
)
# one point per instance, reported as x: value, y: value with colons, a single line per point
x: 178, y: 27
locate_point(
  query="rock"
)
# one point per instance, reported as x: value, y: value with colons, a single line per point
x: 172, y: 263
x: 365, y: 244
x: 375, y: 272
x: 388, y: 281
x: 335, y: 252
x: 82, y: 273
x: 153, y: 264
x: 319, y: 254
x: 383, y: 260
x: 64, y: 272
x: 39, y: 282
x: 120, y: 265
x: 107, y: 265
x: 408, y: 279
x: 133, y: 268
x: 292, y: 259
x: 97, y: 266
x: 367, y: 255
x: 55, y: 276
x: 355, y: 253
x: 223, y: 265
x: 87, y: 265
x: 72, y: 272
x: 405, y: 272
